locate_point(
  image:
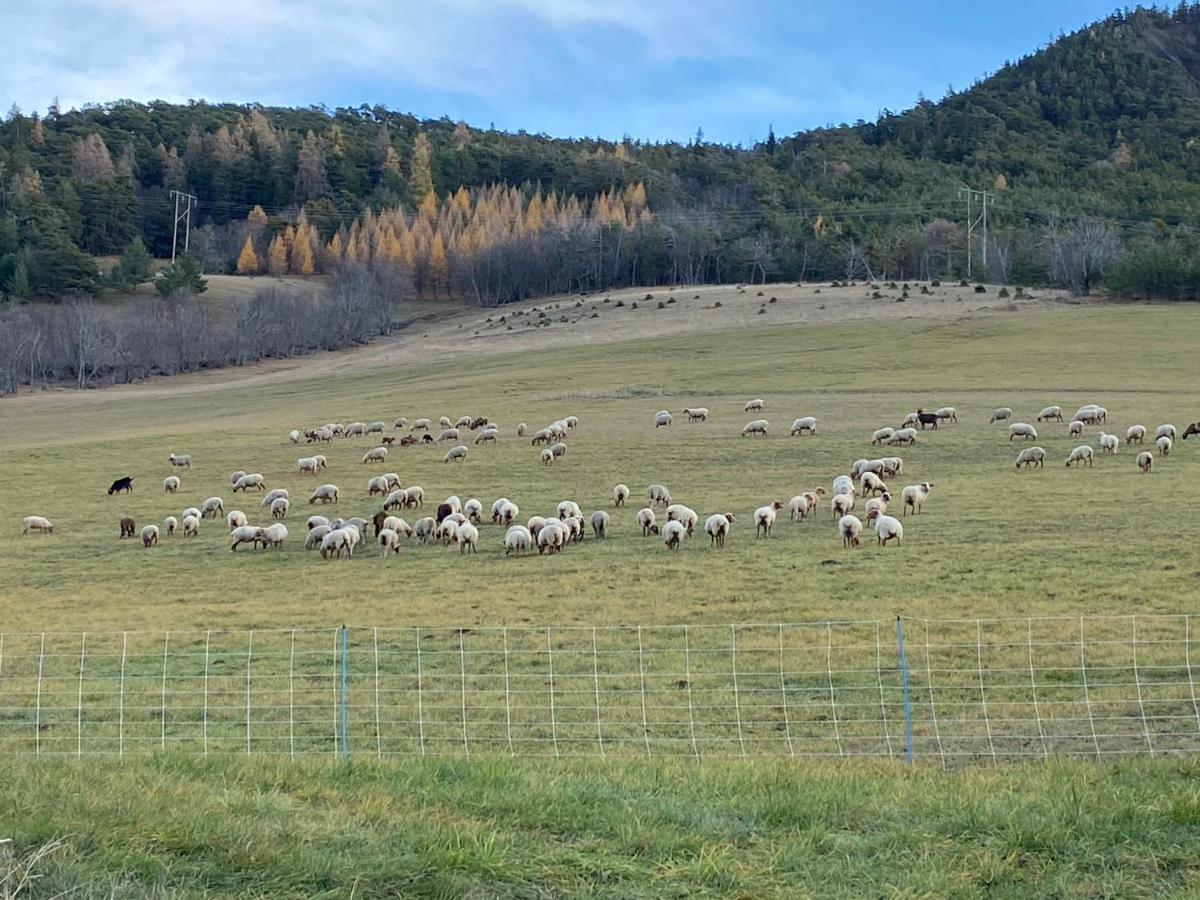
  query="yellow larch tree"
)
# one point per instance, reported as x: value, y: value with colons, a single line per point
x: 439, y: 270
x: 247, y: 263
x: 303, y: 262
x: 277, y: 256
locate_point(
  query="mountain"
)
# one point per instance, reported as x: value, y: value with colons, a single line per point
x: 1104, y: 122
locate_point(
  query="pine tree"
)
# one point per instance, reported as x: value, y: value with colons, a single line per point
x: 420, y: 178
x: 92, y: 161
x: 257, y: 217
x: 183, y: 276
x: 312, y: 181
x: 37, y: 132
x: 134, y: 266
x: 247, y: 263
x: 333, y: 251
x: 277, y: 256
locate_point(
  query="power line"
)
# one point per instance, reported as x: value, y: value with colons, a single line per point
x: 985, y: 200
x: 187, y: 216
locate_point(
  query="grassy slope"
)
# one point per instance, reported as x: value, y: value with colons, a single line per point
x: 519, y: 829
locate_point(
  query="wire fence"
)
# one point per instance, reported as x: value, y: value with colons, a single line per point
x: 950, y: 692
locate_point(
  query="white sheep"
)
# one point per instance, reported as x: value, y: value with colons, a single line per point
x: 572, y: 422
x: 400, y: 423
x: 455, y: 503
x: 568, y: 508
x: 696, y: 413
x: 416, y: 496
x: 170, y: 484
x: 906, y: 436
x: 236, y: 519
x: 487, y: 436
x: 877, y: 506
x: 420, y: 425
x: 646, y: 519
x: 1031, y: 456
x: 377, y: 484
x: 294, y: 436
x: 756, y: 403
x: 673, y: 534
x: 233, y: 478
x: 757, y: 426
x: 170, y: 524
x: 552, y: 537
x: 355, y: 429
x: 1075, y: 429
x: 1000, y: 414
x: 279, y: 508
x: 841, y: 504
x: 1051, y: 412
x: 425, y: 529
x: 37, y: 523
x: 181, y: 462
x: 1081, y: 454
x: 521, y: 429
x: 916, y: 494
x: 253, y: 480
x: 1022, y: 429
x: 468, y: 537
x: 600, y: 523
x: 309, y: 465
x: 190, y: 511
x: 806, y: 423
x: 1145, y: 461
x: 315, y: 535
x: 149, y: 535
x: 764, y: 518
x: 717, y: 528
x: 313, y: 522
x: 882, y: 434
x: 798, y: 508
x: 1135, y: 434
x: 398, y: 525
x: 658, y: 494
x: 850, y: 528
x: 888, y: 528
x: 463, y: 422
x: 1165, y: 431
x: 677, y: 512
x: 459, y: 453
x: 444, y: 422
x: 1164, y: 445
x: 662, y: 418
x: 912, y: 418
x: 211, y: 508
x: 843, y: 484
x: 338, y: 540
x: 949, y: 413
x: 375, y: 427
x: 450, y: 434
x: 559, y: 450
x: 389, y: 542
x: 620, y: 493
x: 872, y: 484
x: 1108, y: 443
x: 376, y: 454
x: 892, y: 465
x: 547, y: 456
x: 274, y: 535
x: 517, y: 540
x: 326, y: 493
x: 191, y: 526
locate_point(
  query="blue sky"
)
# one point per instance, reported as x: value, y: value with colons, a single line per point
x: 653, y: 69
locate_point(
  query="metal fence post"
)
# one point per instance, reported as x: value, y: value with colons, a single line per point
x: 344, y: 700
x: 908, y: 738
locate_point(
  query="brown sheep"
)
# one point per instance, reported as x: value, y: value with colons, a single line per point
x: 128, y: 526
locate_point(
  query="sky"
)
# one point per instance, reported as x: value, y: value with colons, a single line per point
x: 651, y: 69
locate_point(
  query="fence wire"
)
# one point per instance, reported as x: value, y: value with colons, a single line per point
x: 968, y: 692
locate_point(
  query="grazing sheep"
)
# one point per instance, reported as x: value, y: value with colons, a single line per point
x: 1075, y: 429
x: 872, y: 484
x: 463, y: 422
x: 552, y: 537
x: 843, y: 484
x: 662, y: 418
x: 416, y: 496
x: 673, y: 534
x: 420, y: 425
x: 517, y: 540
x: 180, y: 462
x: 1031, y: 456
x: 850, y: 528
x: 1000, y: 414
x: 170, y: 484
x: 326, y: 493
x: 753, y: 404
x: 236, y: 519
x: 558, y: 451
x: 620, y: 493
x: 1022, y: 429
x: 717, y: 528
x: 947, y: 413
x: 600, y: 523
x: 444, y: 422
x: 1193, y: 428
x: 170, y: 524
x: 1164, y: 431
x: 212, y: 507
x: 337, y: 541
x: 497, y: 506
x: 336, y: 428
x: 882, y: 435
x: 696, y: 413
x: 254, y: 480
x: 121, y: 485
x: 377, y: 454
x: 1108, y: 442
x: 1164, y: 445
x: 888, y: 528
x: 541, y: 436
x: 1091, y: 414
x: 315, y: 535
x: 806, y: 423
x: 36, y: 523
x: 906, y: 436
x: 324, y: 434
x: 355, y: 429
x: 397, y: 499
x: 272, y: 495
x: 764, y: 518
x: 798, y: 508
x: 468, y: 537
x: 892, y: 465
x: 841, y: 504
x: 912, y: 418
x: 658, y: 494
x: 377, y: 485
x: 190, y: 511
x: 473, y: 510
x: 310, y: 465
x: 646, y: 519
x: 149, y: 536
x: 521, y: 429
x: 877, y: 506
x: 128, y: 527
x: 389, y: 542
x: 279, y: 508
x: 459, y: 453
x: 568, y: 508
x: 1136, y: 434
x: 375, y: 427
x: 274, y: 535
x: 487, y: 436
x: 677, y: 512
x: 547, y: 456
x: 1051, y: 412
x: 294, y: 436
x: 191, y: 526
x: 314, y: 522
x: 400, y: 423
x: 758, y: 426
x: 536, y: 523
x: 1081, y: 454
x: 450, y: 434
x: 425, y: 529
x: 1145, y: 461
x: 916, y: 494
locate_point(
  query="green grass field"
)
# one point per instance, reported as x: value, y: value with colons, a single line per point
x: 992, y: 542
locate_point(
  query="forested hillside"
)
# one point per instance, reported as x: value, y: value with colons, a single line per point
x: 1090, y: 146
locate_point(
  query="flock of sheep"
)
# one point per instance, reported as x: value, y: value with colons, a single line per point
x: 458, y: 522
